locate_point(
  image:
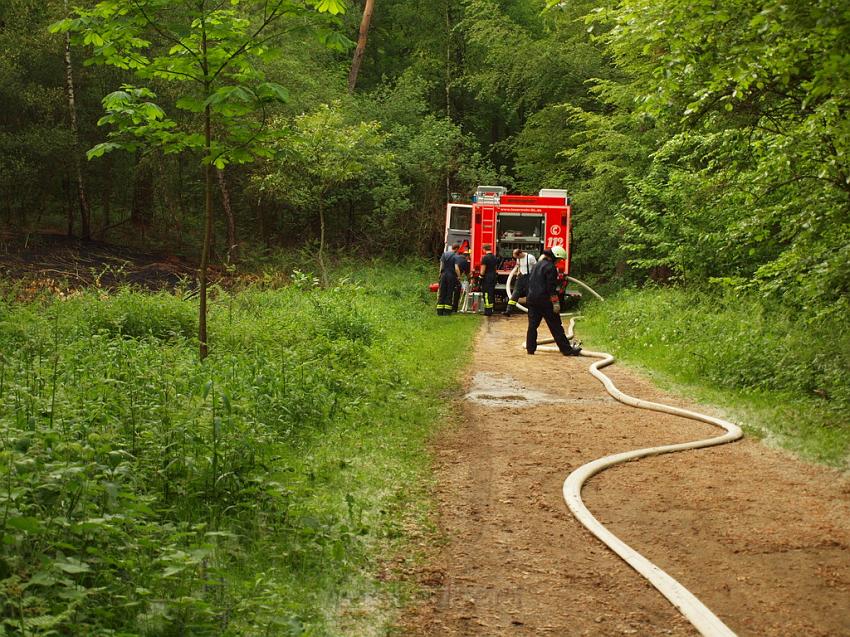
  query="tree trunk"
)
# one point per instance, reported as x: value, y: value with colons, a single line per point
x: 349, y: 232
x: 361, y: 45
x: 263, y: 219
x: 171, y: 203
x: 322, y: 242
x: 143, y: 201
x: 85, y: 213
x: 208, y: 210
x: 205, y: 250
x: 448, y: 69
x: 69, y: 207
x: 448, y: 82
x: 181, y: 206
x: 7, y: 207
x: 232, y: 246
x: 106, y: 192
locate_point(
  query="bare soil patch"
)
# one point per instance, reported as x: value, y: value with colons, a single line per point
x: 54, y: 263
x: 762, y: 538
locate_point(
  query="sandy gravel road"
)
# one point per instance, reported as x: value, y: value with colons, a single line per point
x: 761, y: 538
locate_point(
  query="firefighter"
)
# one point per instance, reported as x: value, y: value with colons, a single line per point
x: 462, y: 263
x: 489, y: 263
x: 450, y: 253
x: 525, y: 261
x: 542, y: 295
x: 449, y: 276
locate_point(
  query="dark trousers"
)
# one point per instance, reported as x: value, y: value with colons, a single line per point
x: 544, y: 310
x: 448, y: 283
x: 520, y: 288
x: 456, y: 295
x: 489, y: 290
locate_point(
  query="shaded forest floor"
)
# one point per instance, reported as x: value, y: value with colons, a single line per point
x: 51, y: 263
x: 759, y: 536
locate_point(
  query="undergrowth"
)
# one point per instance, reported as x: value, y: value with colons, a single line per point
x: 785, y: 378
x: 145, y: 493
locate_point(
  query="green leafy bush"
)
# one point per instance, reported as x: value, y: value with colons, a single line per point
x: 150, y: 494
x: 137, y: 315
x: 719, y: 338
x: 340, y: 317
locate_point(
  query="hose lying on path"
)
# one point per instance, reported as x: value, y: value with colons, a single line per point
x: 706, y: 622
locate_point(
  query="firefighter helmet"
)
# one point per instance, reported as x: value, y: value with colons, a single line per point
x: 559, y: 252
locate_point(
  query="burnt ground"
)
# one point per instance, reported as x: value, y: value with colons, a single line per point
x: 39, y: 263
x: 762, y: 538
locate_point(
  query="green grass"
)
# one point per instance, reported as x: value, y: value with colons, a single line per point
x: 257, y: 493
x: 782, y: 379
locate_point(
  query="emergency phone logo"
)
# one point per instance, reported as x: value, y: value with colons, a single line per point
x: 553, y: 239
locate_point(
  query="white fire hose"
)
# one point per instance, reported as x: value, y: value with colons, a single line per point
x: 569, y: 278
x: 706, y: 622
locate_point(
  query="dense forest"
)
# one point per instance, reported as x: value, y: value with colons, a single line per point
x: 701, y: 141
x: 260, y: 490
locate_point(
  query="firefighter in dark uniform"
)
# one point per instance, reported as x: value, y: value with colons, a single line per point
x: 542, y: 295
x: 463, y: 270
x: 448, y: 281
x: 489, y: 263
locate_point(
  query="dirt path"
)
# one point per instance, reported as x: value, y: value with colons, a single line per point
x: 761, y: 538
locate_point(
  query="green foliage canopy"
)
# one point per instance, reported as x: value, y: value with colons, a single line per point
x: 727, y: 133
x: 214, y: 51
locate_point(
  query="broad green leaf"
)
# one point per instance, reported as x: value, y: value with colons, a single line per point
x: 333, y: 7
x: 335, y: 40
x: 25, y: 523
x: 42, y: 578
x: 71, y: 565
x: 103, y: 148
x: 226, y: 93
x: 270, y: 91
x: 190, y: 103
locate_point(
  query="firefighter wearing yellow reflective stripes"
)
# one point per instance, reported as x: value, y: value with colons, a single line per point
x: 489, y: 264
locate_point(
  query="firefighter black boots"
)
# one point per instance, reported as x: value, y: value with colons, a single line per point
x: 575, y: 349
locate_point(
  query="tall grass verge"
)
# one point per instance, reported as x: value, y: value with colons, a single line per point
x: 784, y: 379
x: 257, y: 493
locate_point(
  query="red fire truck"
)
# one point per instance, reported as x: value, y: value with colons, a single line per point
x: 532, y: 223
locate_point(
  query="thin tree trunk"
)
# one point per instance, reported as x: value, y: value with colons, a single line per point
x: 448, y: 92
x: 261, y: 217
x: 181, y: 206
x: 208, y: 211
x: 205, y: 250
x: 106, y: 193
x: 361, y: 45
x: 349, y: 232
x: 171, y: 203
x: 69, y: 207
x: 322, y: 242
x: 142, y: 203
x: 448, y: 69
x: 232, y: 247
x: 85, y: 213
x: 8, y: 198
